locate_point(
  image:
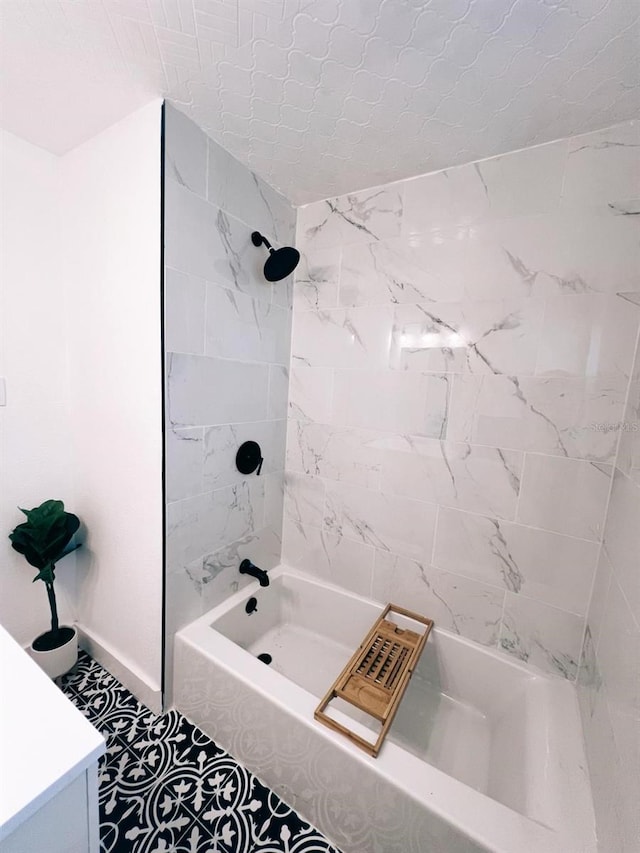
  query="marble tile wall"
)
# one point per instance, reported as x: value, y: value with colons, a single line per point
x: 461, y: 353
x: 227, y: 346
x: 609, y: 674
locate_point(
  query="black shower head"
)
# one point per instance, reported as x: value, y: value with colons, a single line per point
x: 281, y: 262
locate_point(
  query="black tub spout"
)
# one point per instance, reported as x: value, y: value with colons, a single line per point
x: 247, y: 568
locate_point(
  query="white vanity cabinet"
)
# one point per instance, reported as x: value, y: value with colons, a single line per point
x: 48, y: 762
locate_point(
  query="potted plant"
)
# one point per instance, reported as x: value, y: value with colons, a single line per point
x: 43, y: 539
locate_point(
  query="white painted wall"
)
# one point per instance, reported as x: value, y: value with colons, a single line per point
x: 35, y: 445
x: 112, y: 192
x: 81, y: 332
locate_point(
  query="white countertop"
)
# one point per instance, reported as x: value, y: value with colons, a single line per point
x: 45, y: 742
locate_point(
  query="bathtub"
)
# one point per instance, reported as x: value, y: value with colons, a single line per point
x: 485, y: 754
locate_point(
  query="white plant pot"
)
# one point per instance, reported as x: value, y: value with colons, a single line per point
x: 57, y: 661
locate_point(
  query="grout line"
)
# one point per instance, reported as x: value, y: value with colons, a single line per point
x: 256, y: 423
x: 227, y: 358
x: 480, y: 581
x: 476, y: 513
x: 391, y: 434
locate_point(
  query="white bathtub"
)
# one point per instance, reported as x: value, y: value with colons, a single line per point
x: 485, y: 754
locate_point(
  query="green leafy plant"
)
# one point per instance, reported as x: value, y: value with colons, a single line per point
x: 43, y: 539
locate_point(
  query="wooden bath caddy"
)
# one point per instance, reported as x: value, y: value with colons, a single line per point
x: 376, y: 677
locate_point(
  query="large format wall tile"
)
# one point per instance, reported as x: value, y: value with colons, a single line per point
x: 274, y: 501
x: 391, y: 401
x: 464, y: 341
x: 227, y: 340
x: 212, y: 520
x: 317, y: 278
x: 221, y: 444
x: 341, y: 338
x: 304, y: 498
x: 329, y: 556
x: 462, y: 605
x: 612, y: 795
x: 386, y: 521
x: 277, y: 400
x: 359, y: 218
x: 195, y: 587
x: 206, y: 390
x: 485, y: 336
x: 185, y: 297
x: 610, y: 705
x: 184, y: 462
x: 389, y: 272
x: 587, y: 335
x: 235, y: 189
x: 219, y: 569
x: 542, y: 565
x: 564, y: 495
x: 204, y: 241
x: 603, y: 166
x: 584, y: 250
x: 240, y: 327
x: 617, y: 655
x: 480, y: 479
x: 561, y: 416
x: 337, y: 453
x: 622, y: 537
x: 542, y: 635
x: 310, y: 393
x: 429, y: 338
x: 593, y: 250
x: 628, y: 460
x: 609, y: 686
x: 517, y: 184
x: 185, y: 153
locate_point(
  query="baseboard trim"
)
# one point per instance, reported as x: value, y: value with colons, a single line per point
x: 126, y: 672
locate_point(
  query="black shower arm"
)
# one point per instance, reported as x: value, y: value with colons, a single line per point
x: 258, y: 239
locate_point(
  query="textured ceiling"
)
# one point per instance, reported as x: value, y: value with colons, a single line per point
x: 327, y: 96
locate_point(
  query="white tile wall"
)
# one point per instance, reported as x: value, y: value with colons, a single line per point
x: 565, y: 495
x: 480, y: 479
x: 330, y: 556
x: 541, y: 635
x: 463, y: 605
x: 185, y: 297
x: 460, y: 392
x: 241, y: 327
x: 388, y: 522
x: 227, y: 337
x: 206, y: 390
x: 540, y: 564
x: 461, y: 352
x: 609, y: 675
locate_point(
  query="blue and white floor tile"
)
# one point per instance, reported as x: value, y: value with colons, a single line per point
x: 165, y: 787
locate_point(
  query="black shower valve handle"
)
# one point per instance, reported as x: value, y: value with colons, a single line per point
x: 249, y: 458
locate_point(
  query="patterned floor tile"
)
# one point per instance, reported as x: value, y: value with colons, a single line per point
x: 165, y: 787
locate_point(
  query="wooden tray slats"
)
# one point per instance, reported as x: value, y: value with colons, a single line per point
x: 376, y: 677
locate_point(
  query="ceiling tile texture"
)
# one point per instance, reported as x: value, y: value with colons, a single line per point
x: 323, y: 97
